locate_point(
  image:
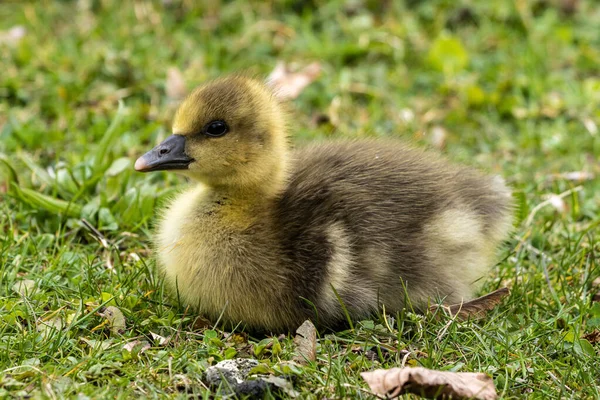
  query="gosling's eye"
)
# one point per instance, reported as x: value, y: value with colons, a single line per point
x: 216, y: 128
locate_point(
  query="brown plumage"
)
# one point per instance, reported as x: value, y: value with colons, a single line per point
x: 264, y: 233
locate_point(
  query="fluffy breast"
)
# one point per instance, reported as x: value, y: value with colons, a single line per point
x: 182, y: 251
x: 219, y: 268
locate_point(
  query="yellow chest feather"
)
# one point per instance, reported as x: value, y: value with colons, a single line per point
x: 185, y: 255
x: 204, y: 255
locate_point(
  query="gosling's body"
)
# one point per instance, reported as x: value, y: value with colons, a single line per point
x: 375, y: 220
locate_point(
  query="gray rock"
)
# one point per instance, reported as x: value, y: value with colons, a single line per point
x: 233, y: 377
x: 234, y: 372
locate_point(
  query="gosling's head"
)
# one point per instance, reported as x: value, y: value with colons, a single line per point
x: 229, y: 132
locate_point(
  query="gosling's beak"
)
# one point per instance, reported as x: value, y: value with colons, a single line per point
x: 170, y: 154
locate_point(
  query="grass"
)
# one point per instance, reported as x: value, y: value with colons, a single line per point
x: 510, y: 87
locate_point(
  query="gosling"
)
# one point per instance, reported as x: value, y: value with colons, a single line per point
x: 269, y: 237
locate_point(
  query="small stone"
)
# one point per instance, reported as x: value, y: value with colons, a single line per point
x: 233, y: 372
x: 253, y: 389
x: 232, y: 377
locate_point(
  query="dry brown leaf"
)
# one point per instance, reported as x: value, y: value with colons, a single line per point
x: 592, y: 337
x: 306, y: 343
x: 476, y: 308
x: 431, y: 384
x: 288, y: 84
x: 175, y: 84
x: 200, y: 323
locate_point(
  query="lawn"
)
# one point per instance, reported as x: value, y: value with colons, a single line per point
x: 510, y: 87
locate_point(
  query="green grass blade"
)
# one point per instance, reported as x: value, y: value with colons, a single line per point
x: 46, y: 202
x: 13, y: 177
x: 101, y: 162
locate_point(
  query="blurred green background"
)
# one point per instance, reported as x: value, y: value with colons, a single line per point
x: 511, y: 87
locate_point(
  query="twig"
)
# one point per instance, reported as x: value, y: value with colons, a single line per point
x: 558, y: 381
x: 549, y: 201
x: 96, y: 234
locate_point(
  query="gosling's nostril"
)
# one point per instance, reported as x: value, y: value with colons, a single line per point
x: 170, y: 154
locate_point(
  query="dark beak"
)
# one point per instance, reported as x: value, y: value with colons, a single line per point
x: 170, y: 154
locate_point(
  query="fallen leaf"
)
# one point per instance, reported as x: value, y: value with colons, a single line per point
x: 175, y: 84
x: 130, y: 346
x: 288, y: 84
x: 115, y: 319
x: 50, y: 326
x: 200, y: 323
x: 431, y: 384
x: 476, y: 308
x: 24, y: 287
x: 592, y: 337
x: 306, y: 343
x: 162, y: 341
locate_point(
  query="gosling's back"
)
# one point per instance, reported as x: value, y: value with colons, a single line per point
x: 377, y: 220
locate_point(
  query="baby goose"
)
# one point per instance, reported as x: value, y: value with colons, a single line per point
x: 265, y: 234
